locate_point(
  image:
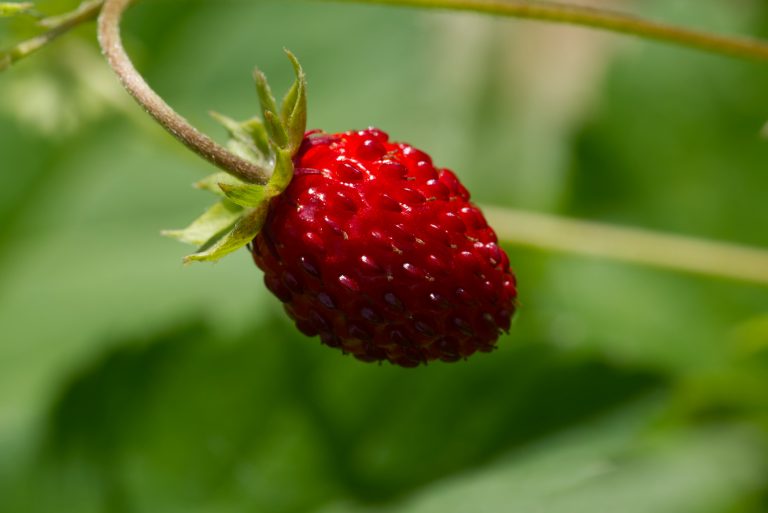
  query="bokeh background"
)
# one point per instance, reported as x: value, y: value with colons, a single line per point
x: 130, y: 383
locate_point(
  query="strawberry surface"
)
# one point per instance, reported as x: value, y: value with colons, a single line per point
x: 382, y: 254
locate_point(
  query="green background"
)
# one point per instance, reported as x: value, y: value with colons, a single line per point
x: 130, y: 383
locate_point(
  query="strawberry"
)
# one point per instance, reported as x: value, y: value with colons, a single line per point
x: 365, y: 241
x: 383, y: 255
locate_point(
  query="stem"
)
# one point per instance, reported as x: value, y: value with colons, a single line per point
x: 57, y: 26
x: 112, y: 47
x: 179, y: 127
x: 612, y: 21
x: 517, y: 227
x: 633, y: 245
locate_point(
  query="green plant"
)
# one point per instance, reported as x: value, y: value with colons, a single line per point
x: 622, y: 388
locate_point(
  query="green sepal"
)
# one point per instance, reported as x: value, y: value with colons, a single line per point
x: 283, y: 173
x: 258, y: 132
x: 294, y: 110
x: 245, y: 195
x: 240, y: 214
x: 276, y: 129
x: 266, y: 98
x: 248, y: 140
x: 269, y: 109
x: 244, y: 231
x: 235, y: 129
x: 215, y: 221
x: 211, y: 182
x: 9, y: 9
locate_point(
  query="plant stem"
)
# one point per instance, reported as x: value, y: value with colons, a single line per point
x: 517, y: 227
x: 175, y: 124
x: 742, y: 47
x: 57, y: 26
x: 677, y: 252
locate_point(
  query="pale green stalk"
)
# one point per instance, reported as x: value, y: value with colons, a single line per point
x: 634, y: 245
x: 596, y: 18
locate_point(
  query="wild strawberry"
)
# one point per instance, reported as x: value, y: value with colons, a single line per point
x: 382, y: 255
x: 365, y: 241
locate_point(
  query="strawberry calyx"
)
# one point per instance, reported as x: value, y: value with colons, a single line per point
x: 271, y: 142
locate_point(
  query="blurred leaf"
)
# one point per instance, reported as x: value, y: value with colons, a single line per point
x: 185, y: 419
x: 8, y: 9
x: 62, y: 91
x: 602, y: 468
x: 751, y: 338
x: 437, y: 421
x: 174, y: 422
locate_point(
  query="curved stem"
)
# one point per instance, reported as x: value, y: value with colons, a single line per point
x: 742, y: 47
x: 645, y: 247
x: 109, y: 37
x: 112, y: 46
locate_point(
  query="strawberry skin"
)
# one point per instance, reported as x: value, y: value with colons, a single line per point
x: 382, y: 255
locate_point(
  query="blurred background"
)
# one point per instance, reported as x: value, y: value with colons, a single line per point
x: 130, y: 383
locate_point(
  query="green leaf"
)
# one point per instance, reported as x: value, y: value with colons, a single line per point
x: 294, y: 111
x: 212, y: 223
x: 245, y: 195
x: 244, y: 231
x: 9, y: 9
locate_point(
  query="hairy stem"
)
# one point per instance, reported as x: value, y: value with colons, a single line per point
x: 596, y: 18
x: 676, y: 252
x: 112, y: 46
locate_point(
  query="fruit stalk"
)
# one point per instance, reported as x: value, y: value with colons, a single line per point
x: 742, y: 47
x: 633, y: 245
x: 112, y: 47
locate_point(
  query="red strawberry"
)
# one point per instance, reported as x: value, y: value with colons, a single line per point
x: 367, y: 243
x: 383, y: 255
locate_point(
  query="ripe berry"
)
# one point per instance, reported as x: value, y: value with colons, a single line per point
x: 382, y: 255
x: 369, y: 246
